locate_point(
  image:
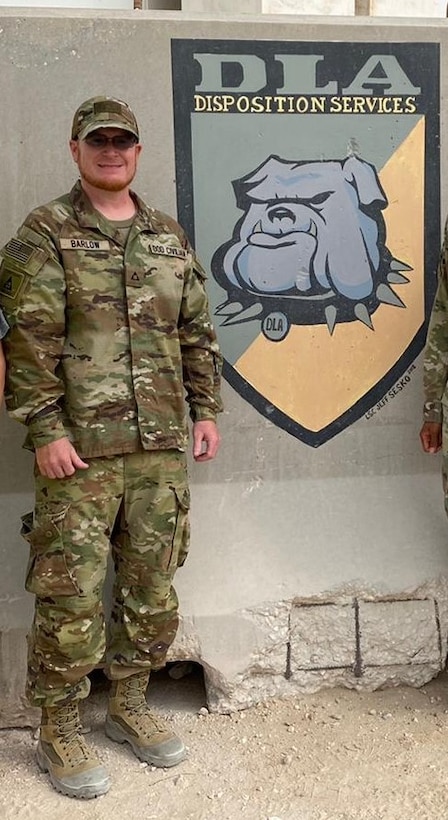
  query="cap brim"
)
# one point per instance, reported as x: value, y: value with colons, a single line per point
x: 109, y: 124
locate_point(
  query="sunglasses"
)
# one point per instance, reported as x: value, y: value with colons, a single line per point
x: 121, y: 142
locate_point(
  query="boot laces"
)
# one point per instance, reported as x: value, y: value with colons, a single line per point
x: 134, y: 695
x: 69, y: 731
x: 136, y: 703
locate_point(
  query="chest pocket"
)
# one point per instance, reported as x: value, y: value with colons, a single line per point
x: 163, y: 268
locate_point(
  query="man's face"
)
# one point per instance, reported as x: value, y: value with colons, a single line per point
x: 106, y: 167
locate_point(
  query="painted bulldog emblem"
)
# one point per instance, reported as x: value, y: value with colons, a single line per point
x: 310, y: 247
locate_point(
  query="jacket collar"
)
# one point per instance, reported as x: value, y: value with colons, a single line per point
x: 88, y: 217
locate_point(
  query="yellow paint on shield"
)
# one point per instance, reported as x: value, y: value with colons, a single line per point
x: 313, y: 377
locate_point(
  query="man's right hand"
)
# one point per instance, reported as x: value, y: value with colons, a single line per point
x: 58, y: 459
x: 431, y: 436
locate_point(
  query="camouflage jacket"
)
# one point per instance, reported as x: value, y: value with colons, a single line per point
x: 105, y: 339
x: 4, y: 327
x: 435, y: 366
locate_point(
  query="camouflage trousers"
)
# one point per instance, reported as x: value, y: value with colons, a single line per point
x: 135, y: 507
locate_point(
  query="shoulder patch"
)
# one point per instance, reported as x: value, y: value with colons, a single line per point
x: 21, y: 260
x: 23, y: 256
x: 31, y: 236
x: 11, y: 283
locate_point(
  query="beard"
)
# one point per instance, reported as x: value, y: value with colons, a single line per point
x: 106, y: 185
x: 97, y: 181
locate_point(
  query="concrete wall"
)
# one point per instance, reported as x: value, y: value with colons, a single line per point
x: 327, y: 7
x: 308, y: 567
x: 408, y: 8
x: 103, y: 5
x: 375, y: 8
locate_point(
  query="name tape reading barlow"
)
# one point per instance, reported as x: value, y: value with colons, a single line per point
x: 84, y: 244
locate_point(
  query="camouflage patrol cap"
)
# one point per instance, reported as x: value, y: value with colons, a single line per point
x: 103, y: 112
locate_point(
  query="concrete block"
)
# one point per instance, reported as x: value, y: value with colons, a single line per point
x: 384, y: 677
x: 441, y: 606
x: 102, y: 5
x: 308, y: 681
x: 14, y: 708
x: 243, y: 654
x: 225, y: 697
x: 222, y: 6
x: 186, y: 646
x: 246, y: 642
x: 399, y: 632
x: 322, y: 637
x: 328, y: 7
x: 408, y: 8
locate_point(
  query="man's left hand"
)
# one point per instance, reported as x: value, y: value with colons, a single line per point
x: 206, y: 440
x: 431, y: 437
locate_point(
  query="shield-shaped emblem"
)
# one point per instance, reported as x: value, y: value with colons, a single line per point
x: 316, y: 213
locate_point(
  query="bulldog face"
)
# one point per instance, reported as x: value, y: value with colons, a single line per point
x: 308, y: 227
x: 311, y: 243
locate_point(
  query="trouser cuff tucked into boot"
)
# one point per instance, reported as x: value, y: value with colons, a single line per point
x: 130, y: 720
x: 64, y: 754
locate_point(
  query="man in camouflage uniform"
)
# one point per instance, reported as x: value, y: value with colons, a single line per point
x: 109, y: 326
x: 434, y: 433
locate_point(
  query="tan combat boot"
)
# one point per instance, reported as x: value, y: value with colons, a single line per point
x: 63, y: 753
x: 129, y: 720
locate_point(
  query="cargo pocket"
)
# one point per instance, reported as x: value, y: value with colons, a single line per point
x: 48, y: 573
x: 181, y: 536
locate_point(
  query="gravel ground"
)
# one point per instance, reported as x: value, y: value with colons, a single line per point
x: 335, y: 755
